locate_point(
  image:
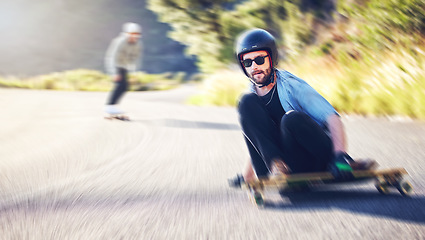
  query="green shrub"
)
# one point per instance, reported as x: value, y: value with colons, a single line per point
x: 379, y: 83
x: 141, y: 81
x: 91, y: 80
x: 222, y: 88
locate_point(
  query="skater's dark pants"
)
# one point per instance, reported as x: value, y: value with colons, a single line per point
x: 299, y: 141
x: 120, y: 87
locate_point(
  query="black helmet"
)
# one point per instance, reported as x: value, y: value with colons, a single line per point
x: 256, y: 40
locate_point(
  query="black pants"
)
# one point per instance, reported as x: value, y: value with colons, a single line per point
x: 120, y: 87
x: 299, y: 141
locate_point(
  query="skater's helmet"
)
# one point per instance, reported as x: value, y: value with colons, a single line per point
x: 256, y: 40
x: 131, y: 27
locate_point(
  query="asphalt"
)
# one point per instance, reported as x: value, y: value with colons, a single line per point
x: 67, y: 173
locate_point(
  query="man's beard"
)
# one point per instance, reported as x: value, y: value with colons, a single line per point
x: 260, y: 77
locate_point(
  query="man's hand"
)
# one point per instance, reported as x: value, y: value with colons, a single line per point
x: 117, y: 78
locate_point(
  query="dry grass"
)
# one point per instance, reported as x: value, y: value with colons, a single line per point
x: 222, y: 88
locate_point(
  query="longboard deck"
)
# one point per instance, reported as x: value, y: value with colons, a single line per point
x: 118, y: 117
x: 384, y: 179
x: 324, y: 177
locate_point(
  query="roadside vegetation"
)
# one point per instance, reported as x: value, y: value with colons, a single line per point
x: 365, y: 56
x: 222, y: 88
x: 91, y: 80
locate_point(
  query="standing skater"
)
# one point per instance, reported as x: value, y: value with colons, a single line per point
x: 123, y: 55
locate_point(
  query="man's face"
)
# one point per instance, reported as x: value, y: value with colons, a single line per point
x: 259, y: 73
x: 133, y: 37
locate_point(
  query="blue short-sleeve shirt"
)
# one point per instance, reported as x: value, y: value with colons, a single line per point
x: 296, y: 94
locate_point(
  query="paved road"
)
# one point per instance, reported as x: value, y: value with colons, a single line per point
x: 66, y: 173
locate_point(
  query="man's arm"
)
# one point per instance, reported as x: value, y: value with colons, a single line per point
x: 336, y: 129
x: 112, y: 55
x: 136, y: 63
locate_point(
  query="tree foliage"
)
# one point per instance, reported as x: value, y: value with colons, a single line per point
x: 209, y: 27
x: 386, y: 23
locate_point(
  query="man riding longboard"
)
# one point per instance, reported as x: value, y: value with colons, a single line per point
x: 289, y: 128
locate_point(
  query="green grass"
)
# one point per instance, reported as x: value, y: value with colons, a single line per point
x: 386, y: 83
x: 91, y: 80
x: 222, y: 88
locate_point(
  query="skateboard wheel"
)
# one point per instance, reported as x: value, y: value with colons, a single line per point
x: 382, y: 188
x: 256, y: 197
x: 405, y: 188
x: 259, y: 200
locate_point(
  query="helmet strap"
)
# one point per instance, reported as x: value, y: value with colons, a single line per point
x: 268, y: 81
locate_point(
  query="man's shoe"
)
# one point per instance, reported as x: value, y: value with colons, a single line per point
x: 340, y: 167
x: 279, y: 167
x: 113, y: 110
x: 364, y: 164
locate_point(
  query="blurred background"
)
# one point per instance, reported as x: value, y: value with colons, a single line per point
x: 365, y: 56
x: 66, y: 173
x: 41, y: 37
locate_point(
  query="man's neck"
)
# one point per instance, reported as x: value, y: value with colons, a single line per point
x: 264, y: 90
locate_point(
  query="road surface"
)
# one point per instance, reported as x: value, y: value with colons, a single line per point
x: 67, y: 173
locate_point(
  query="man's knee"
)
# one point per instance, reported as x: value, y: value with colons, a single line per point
x: 292, y: 118
x: 247, y: 102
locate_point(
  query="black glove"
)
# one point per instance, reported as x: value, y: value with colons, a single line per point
x: 237, y: 181
x: 340, y: 167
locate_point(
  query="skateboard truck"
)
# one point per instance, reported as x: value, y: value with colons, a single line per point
x: 237, y: 181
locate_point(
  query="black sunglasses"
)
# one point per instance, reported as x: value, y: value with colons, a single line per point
x: 258, y: 60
